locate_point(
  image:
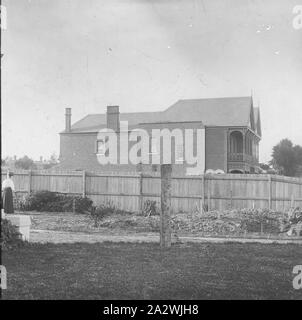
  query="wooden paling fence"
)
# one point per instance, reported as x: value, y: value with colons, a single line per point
x: 129, y: 191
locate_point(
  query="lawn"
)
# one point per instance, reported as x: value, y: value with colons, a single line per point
x: 144, y: 271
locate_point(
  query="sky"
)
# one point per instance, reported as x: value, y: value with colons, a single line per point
x: 144, y: 55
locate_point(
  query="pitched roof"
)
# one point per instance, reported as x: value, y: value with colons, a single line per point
x: 212, y: 112
x: 95, y: 122
x: 231, y: 111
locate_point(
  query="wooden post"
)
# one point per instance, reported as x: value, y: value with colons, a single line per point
x: 270, y: 192
x: 292, y: 201
x: 141, y: 203
x: 84, y: 183
x: 165, y: 232
x: 73, y: 206
x: 202, y: 195
x: 209, y: 195
x: 29, y: 181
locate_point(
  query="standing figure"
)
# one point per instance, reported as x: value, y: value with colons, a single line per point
x: 8, y: 188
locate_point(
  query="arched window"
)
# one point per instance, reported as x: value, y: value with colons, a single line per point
x: 236, y: 142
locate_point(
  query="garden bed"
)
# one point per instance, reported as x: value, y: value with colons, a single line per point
x: 107, y: 218
x: 243, y: 223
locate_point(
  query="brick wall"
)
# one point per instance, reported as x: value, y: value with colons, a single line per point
x: 78, y: 152
x: 216, y: 148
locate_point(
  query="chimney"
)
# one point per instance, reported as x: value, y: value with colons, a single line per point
x: 113, y: 118
x: 67, y: 119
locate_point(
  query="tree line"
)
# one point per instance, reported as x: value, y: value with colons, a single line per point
x: 286, y: 159
x: 27, y: 163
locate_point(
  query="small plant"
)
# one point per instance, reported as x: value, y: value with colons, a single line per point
x: 294, y: 222
x: 10, y: 237
x: 260, y: 221
x: 150, y: 208
x: 98, y: 213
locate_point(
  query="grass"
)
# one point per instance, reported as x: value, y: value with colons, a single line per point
x: 144, y: 271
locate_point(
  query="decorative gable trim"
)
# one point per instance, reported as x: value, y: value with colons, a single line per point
x: 252, y: 118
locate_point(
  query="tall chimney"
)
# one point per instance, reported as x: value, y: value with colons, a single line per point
x: 113, y: 118
x: 67, y: 119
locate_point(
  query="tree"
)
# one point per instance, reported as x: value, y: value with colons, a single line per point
x: 52, y: 161
x: 25, y: 163
x: 288, y: 157
x: 298, y: 153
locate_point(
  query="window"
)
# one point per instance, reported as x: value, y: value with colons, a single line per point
x: 100, y: 147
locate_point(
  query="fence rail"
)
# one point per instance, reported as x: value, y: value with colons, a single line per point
x: 129, y: 191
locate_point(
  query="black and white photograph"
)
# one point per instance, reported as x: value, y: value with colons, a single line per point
x: 151, y: 150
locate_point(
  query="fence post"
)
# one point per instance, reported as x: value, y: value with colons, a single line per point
x: 202, y: 194
x: 269, y: 192
x: 29, y: 181
x: 84, y: 183
x: 231, y: 199
x: 209, y: 194
x: 292, y: 201
x: 140, y: 204
x: 165, y: 232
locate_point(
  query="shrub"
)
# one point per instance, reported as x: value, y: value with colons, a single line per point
x: 261, y: 220
x: 100, y: 212
x: 38, y: 200
x: 150, y: 208
x: 10, y: 237
x: 55, y: 202
x: 83, y: 204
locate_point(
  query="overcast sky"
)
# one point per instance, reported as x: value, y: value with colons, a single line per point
x: 144, y: 55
